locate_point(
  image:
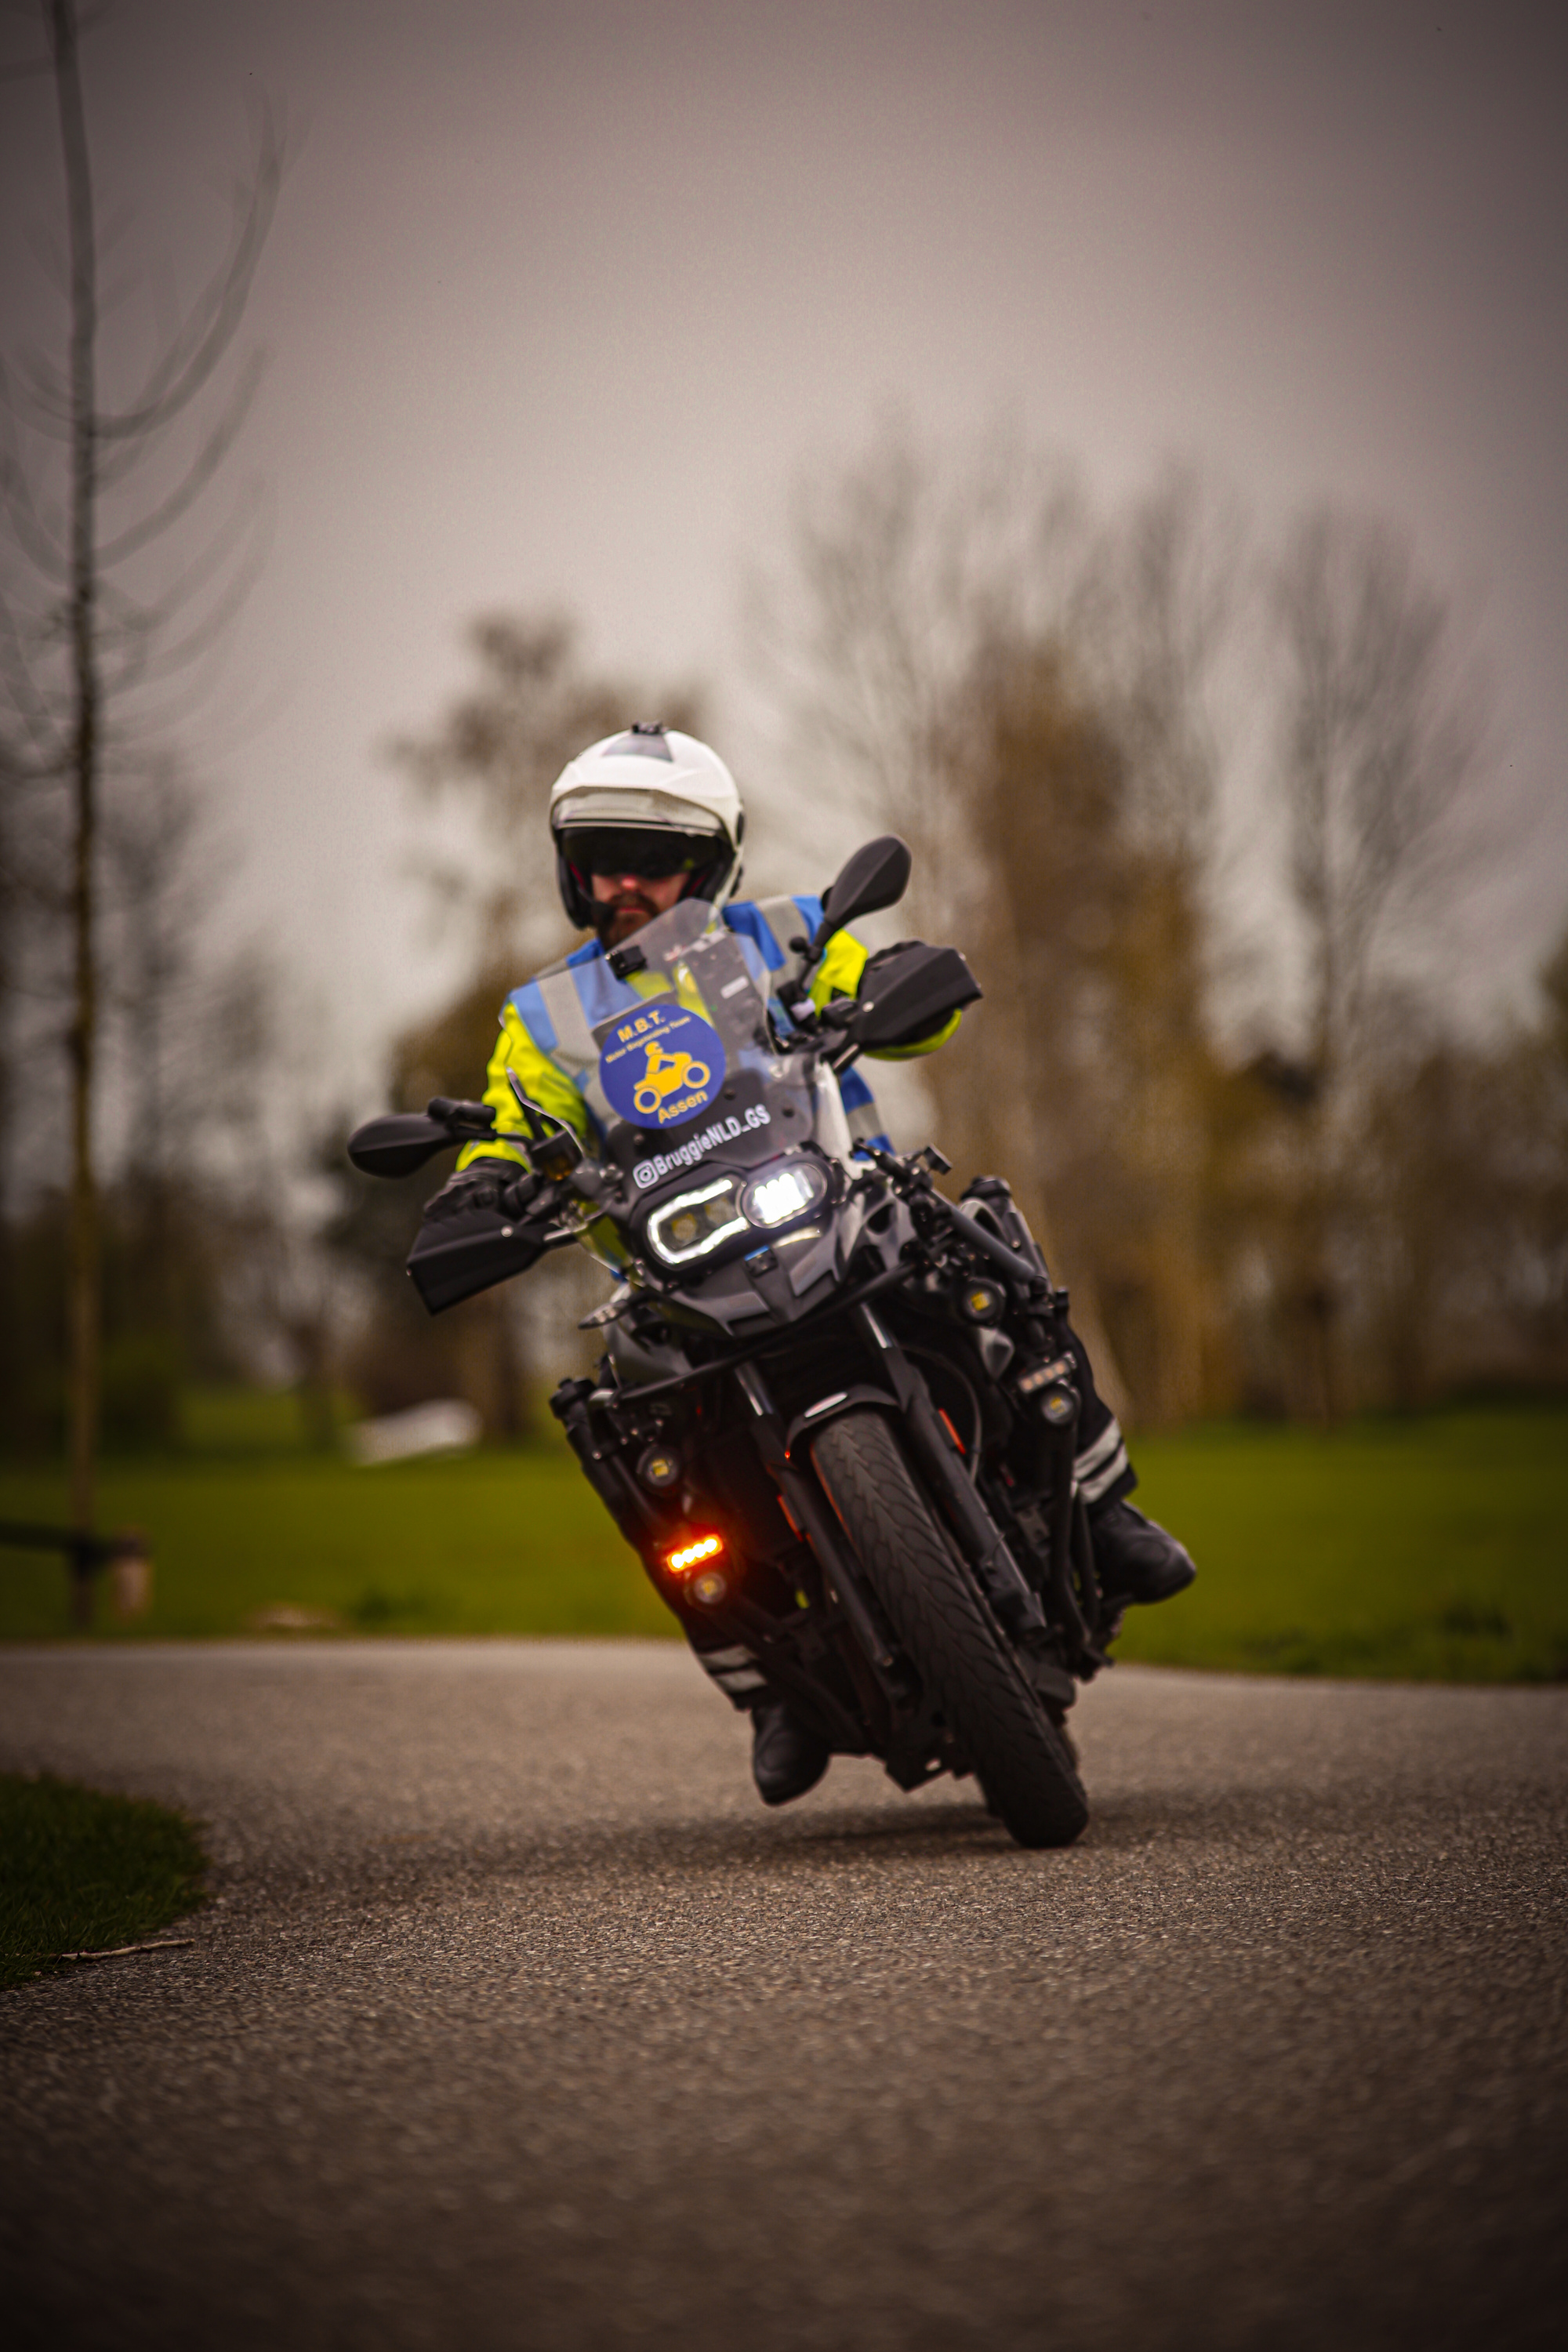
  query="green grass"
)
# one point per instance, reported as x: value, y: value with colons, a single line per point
x: 84, y: 1872
x: 1433, y: 1548
x: 234, y: 1421
x: 1427, y: 1550
x: 486, y: 1543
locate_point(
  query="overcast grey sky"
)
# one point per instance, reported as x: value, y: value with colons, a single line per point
x: 561, y: 298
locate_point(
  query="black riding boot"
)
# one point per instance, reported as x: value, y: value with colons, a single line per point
x: 787, y: 1759
x: 1133, y: 1559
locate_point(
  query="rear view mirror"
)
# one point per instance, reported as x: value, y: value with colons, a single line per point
x: 398, y: 1144
x: 402, y: 1141
x: 875, y: 875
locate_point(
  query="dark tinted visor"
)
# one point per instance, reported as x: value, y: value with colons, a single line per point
x: 637, y: 850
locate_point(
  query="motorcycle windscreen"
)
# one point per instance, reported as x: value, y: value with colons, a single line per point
x: 686, y: 1062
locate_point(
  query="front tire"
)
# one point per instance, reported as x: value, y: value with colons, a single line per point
x: 940, y: 1619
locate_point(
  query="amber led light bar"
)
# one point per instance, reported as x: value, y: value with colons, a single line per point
x: 693, y: 1554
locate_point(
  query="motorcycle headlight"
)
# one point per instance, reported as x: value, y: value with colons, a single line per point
x: 780, y: 1194
x: 697, y: 1222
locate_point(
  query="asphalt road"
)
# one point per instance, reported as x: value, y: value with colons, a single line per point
x: 518, y: 2024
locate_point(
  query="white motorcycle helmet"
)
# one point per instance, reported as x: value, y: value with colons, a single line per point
x: 651, y: 801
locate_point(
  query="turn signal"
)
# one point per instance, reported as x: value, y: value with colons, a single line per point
x: 691, y: 1555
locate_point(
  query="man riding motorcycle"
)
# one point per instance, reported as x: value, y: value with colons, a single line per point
x: 637, y: 822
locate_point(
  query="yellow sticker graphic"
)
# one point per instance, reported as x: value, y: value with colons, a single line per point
x: 662, y: 1065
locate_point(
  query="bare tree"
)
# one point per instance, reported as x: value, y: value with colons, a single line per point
x: 1152, y: 620
x: 1383, y: 722
x: 905, y: 571
x: 494, y: 754
x: 158, y: 1060
x: 1019, y: 687
x: 11, y: 920
x: 491, y: 759
x: 1384, y: 717
x: 84, y: 644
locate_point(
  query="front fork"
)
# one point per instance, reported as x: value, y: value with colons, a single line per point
x: 880, y: 1681
x: 1081, y: 1609
x: 1081, y: 1613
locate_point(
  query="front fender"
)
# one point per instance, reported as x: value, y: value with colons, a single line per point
x: 827, y: 1407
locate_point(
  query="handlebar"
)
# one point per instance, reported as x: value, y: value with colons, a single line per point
x: 912, y: 1180
x: 1007, y: 1261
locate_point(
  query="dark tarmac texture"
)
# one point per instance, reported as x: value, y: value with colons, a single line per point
x: 517, y: 2022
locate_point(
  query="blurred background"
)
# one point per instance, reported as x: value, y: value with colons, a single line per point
x: 1118, y: 447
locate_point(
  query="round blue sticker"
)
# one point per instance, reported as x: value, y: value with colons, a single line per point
x: 662, y: 1065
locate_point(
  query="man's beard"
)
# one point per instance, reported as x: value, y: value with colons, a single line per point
x: 619, y: 917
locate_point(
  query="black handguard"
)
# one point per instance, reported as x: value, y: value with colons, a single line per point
x: 484, y: 1224
x: 951, y: 988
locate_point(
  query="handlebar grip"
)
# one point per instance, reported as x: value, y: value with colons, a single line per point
x: 468, y: 1118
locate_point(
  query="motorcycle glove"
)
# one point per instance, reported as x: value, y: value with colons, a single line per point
x: 495, y: 1188
x: 485, y: 1223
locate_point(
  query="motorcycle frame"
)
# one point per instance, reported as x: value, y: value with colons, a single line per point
x: 894, y: 1721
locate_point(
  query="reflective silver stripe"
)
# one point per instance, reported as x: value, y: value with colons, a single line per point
x: 734, y: 1671
x: 1103, y: 1480
x: 574, y: 1038
x: 574, y: 1053
x: 865, y: 1120
x: 1090, y: 1460
x: 785, y: 921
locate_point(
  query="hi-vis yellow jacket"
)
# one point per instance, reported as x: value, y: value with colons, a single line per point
x: 547, y: 1027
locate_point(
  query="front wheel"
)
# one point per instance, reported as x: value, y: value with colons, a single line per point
x: 958, y: 1652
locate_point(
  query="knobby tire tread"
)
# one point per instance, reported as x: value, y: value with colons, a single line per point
x: 959, y: 1655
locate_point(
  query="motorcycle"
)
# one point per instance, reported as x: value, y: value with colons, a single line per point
x: 836, y: 1415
